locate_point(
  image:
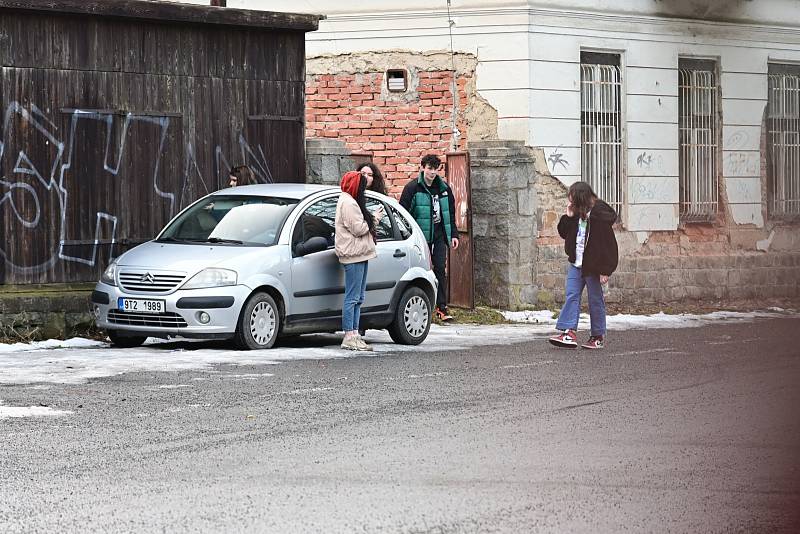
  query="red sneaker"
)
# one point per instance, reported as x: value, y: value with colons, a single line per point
x: 595, y: 342
x: 442, y: 315
x: 567, y: 339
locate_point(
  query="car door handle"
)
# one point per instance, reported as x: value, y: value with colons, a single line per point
x: 399, y: 254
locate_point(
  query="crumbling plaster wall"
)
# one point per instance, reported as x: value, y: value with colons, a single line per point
x: 347, y: 99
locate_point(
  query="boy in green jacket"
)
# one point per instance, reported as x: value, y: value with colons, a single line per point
x: 430, y: 201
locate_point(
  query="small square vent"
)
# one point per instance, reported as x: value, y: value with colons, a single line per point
x: 397, y: 80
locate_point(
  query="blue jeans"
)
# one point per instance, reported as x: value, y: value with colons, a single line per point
x: 570, y: 312
x: 355, y: 289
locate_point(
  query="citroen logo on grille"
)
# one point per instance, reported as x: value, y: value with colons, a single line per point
x: 147, y: 278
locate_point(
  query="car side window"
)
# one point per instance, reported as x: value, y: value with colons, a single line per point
x: 384, y: 229
x: 317, y: 220
x: 402, y: 224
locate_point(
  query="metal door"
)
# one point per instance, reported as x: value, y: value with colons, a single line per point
x: 317, y: 279
x: 461, y: 279
x: 388, y: 267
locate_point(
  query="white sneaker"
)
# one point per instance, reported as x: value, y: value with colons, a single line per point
x: 363, y: 345
x: 351, y: 343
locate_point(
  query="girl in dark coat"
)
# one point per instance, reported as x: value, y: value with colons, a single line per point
x: 591, y: 247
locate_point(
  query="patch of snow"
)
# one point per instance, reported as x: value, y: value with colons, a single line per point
x: 657, y: 320
x: 72, y: 343
x: 248, y: 376
x: 78, y: 360
x: 528, y: 316
x: 29, y: 411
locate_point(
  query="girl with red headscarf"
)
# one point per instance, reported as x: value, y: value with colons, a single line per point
x: 355, y: 246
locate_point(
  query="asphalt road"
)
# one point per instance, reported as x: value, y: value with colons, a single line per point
x: 693, y: 430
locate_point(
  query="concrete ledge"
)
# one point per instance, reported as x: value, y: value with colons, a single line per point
x: 45, y: 311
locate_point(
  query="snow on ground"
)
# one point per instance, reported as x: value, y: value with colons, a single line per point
x: 77, y: 360
x: 30, y: 411
x: 656, y: 320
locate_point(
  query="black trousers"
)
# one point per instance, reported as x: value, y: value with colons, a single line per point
x: 439, y: 249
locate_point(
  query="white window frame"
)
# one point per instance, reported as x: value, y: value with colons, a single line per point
x: 602, y: 164
x: 698, y: 140
x: 783, y: 141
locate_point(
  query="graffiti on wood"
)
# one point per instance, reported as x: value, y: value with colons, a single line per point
x: 61, y: 184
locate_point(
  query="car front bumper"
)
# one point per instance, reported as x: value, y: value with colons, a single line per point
x: 182, y: 311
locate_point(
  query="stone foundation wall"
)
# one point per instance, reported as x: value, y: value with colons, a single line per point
x: 327, y: 160
x: 662, y: 280
x: 520, y: 260
x: 503, y: 222
x: 701, y: 262
x: 37, y: 312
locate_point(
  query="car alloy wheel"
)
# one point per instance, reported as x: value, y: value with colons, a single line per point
x: 262, y: 322
x: 412, y: 320
x: 259, y: 323
x: 415, y: 316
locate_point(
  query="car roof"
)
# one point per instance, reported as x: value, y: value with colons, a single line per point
x: 296, y: 191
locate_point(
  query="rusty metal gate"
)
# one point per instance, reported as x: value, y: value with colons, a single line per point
x: 460, y: 265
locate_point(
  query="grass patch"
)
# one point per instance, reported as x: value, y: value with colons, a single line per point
x: 480, y: 315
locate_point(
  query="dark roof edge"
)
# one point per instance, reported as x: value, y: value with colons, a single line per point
x: 170, y: 12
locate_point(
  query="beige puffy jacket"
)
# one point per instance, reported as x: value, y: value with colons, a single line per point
x: 354, y: 243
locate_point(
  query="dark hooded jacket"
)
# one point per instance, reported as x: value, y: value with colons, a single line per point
x: 600, y: 256
x: 417, y: 198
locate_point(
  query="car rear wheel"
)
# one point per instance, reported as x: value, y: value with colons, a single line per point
x: 124, y: 342
x: 412, y: 318
x: 259, y: 323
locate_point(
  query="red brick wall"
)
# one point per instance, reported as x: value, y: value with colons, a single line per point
x: 350, y: 107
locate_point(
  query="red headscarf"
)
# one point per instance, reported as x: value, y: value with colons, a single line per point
x: 350, y: 182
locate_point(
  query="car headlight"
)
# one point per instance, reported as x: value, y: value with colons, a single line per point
x: 109, y: 276
x: 211, y: 278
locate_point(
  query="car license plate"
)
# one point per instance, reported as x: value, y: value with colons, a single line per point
x: 141, y: 305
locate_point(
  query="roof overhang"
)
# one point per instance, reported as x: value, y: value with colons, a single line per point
x: 170, y: 12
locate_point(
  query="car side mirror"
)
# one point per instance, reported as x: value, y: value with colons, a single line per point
x: 310, y: 246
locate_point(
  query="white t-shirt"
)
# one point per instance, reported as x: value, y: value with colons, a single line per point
x: 580, y: 241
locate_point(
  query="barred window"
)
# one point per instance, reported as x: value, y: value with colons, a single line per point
x: 601, y: 126
x: 783, y: 141
x: 698, y: 132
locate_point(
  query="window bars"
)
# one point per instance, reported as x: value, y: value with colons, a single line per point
x: 698, y: 152
x: 601, y: 130
x: 783, y: 138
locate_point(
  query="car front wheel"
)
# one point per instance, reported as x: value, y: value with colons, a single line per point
x: 259, y: 323
x: 412, y: 318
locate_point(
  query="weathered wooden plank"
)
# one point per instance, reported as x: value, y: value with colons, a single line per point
x: 111, y: 45
x: 108, y: 136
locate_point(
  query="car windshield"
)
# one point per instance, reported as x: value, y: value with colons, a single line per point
x: 233, y: 220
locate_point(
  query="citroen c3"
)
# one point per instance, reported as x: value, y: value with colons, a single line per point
x: 257, y: 262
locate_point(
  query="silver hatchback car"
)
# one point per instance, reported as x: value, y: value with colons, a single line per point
x: 257, y: 262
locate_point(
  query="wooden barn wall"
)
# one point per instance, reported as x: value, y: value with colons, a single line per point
x: 111, y: 127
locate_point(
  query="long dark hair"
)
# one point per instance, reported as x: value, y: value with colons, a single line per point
x: 378, y: 183
x: 361, y: 200
x: 582, y: 198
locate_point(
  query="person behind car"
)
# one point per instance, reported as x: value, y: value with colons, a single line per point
x: 355, y: 246
x: 240, y: 175
x: 375, y: 181
x: 431, y: 202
